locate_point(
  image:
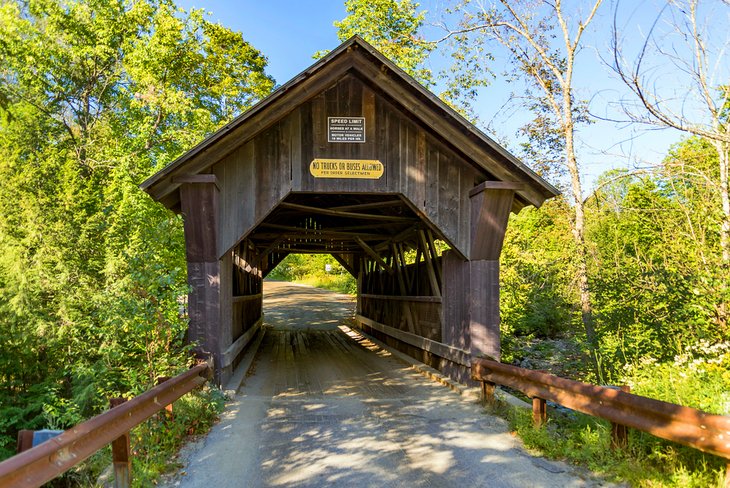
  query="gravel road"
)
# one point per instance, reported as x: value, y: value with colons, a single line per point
x: 324, y: 407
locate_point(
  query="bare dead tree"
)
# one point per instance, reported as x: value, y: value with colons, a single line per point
x: 680, y: 78
x: 543, y: 39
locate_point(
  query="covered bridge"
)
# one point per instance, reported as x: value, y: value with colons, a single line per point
x: 355, y: 159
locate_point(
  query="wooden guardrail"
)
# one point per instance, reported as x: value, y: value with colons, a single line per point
x: 52, y: 458
x: 691, y: 427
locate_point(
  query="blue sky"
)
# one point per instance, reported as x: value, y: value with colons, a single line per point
x: 289, y: 32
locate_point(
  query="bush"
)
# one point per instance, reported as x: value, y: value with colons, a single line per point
x: 312, y: 270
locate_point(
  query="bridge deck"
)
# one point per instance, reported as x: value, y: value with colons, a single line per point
x: 323, y: 406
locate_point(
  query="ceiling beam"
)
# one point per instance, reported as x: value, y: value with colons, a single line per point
x: 340, y: 213
x: 296, y: 232
x: 364, y: 206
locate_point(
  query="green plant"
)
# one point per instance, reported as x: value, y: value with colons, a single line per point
x: 312, y: 270
x: 155, y: 441
x: 648, y: 462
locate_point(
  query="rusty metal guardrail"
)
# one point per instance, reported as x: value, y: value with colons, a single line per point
x: 44, y: 462
x: 691, y: 427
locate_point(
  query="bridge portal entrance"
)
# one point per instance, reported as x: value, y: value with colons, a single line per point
x: 355, y: 159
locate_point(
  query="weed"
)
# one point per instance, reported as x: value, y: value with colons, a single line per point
x: 648, y: 462
x: 155, y: 442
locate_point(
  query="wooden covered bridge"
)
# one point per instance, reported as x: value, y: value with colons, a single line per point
x: 355, y: 159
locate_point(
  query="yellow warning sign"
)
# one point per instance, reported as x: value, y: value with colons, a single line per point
x: 346, y: 168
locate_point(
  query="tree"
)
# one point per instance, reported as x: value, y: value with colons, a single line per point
x: 686, y: 44
x: 94, y: 97
x: 654, y: 233
x: 543, y: 40
x: 393, y: 27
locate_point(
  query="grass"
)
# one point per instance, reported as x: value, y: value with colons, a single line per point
x: 342, y: 283
x: 154, y: 443
x: 648, y: 462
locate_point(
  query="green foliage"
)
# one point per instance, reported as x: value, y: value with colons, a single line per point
x: 660, y: 236
x: 155, y: 442
x: 312, y: 270
x: 94, y: 97
x: 538, y: 298
x: 678, y: 381
x: 393, y: 27
x: 647, y: 462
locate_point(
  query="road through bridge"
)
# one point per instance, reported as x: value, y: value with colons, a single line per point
x: 323, y: 406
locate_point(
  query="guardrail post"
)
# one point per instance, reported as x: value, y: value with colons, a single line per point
x: 619, y: 433
x: 488, y: 392
x: 168, y: 408
x: 120, y: 454
x: 25, y: 440
x: 539, y: 412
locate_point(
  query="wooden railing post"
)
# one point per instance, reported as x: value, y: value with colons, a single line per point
x: 619, y: 433
x: 488, y: 392
x: 121, y: 454
x: 539, y: 412
x: 168, y: 408
x: 25, y: 440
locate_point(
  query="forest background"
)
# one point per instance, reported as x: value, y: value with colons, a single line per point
x: 628, y: 283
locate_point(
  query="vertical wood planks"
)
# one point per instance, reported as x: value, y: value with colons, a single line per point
x: 455, y: 301
x: 484, y: 309
x: 201, y: 221
x: 226, y: 312
x: 295, y: 146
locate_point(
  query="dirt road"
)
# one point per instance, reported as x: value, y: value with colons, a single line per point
x: 324, y: 407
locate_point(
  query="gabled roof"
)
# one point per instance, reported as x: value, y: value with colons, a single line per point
x: 355, y: 54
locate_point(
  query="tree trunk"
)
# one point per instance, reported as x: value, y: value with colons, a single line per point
x: 586, y: 308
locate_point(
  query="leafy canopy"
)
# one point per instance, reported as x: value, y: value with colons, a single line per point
x: 95, y: 96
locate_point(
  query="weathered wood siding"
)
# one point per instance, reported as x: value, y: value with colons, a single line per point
x: 455, y: 325
x: 434, y: 178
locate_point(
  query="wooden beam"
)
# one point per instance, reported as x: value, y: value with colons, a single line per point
x: 398, y: 298
x: 496, y: 185
x: 350, y: 228
x: 434, y: 255
x: 317, y: 250
x: 453, y: 354
x: 316, y: 234
x: 265, y: 253
x: 273, y: 263
x: 343, y: 262
x: 435, y: 287
x: 402, y: 258
x: 414, y: 280
x: 230, y: 355
x: 402, y: 287
x: 374, y: 255
x: 369, y: 226
x: 197, y: 178
x: 490, y: 211
x: 396, y: 238
x: 339, y: 213
x: 246, y: 298
x: 364, y: 206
